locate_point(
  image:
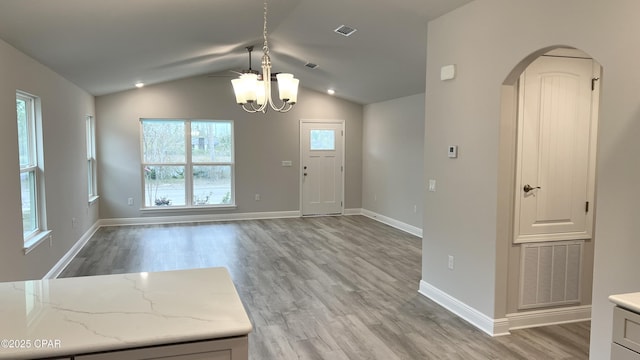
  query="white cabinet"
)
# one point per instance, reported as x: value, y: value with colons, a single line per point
x: 622, y: 353
x: 226, y: 349
x: 626, y: 335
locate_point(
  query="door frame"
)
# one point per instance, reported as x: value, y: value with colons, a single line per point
x: 301, y: 158
x: 506, y: 281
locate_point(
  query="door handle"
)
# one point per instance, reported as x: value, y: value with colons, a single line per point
x: 528, y: 188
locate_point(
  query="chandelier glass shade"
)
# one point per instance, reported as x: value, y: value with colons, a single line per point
x: 253, y: 90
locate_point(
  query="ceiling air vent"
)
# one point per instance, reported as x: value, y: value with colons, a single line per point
x: 311, y: 65
x: 345, y: 30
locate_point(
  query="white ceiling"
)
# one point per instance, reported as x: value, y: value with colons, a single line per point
x: 105, y: 46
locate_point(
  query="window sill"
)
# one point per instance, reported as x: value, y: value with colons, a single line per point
x: 183, y: 209
x: 36, y: 240
x: 93, y: 199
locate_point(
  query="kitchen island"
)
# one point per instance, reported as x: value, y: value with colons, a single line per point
x: 170, y: 314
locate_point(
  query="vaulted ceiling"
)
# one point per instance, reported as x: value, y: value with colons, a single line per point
x: 107, y: 46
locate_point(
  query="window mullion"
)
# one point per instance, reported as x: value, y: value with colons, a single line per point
x: 211, y: 163
x: 188, y: 168
x: 28, y: 169
x: 164, y: 164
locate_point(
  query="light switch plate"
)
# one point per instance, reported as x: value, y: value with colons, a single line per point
x: 448, y: 72
x: 432, y: 185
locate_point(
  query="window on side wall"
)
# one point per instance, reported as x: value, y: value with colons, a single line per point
x: 187, y: 163
x: 31, y: 173
x: 92, y: 178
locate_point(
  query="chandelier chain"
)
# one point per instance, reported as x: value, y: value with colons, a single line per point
x: 253, y: 90
x: 265, y: 47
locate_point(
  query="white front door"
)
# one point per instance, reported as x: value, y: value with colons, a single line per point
x: 556, y: 150
x: 322, y: 167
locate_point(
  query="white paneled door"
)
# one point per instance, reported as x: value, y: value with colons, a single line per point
x: 556, y: 150
x: 322, y: 167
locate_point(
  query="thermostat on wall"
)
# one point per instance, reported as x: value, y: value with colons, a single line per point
x: 453, y: 151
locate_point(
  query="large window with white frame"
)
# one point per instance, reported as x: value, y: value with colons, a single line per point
x: 31, y: 189
x: 187, y: 163
x: 92, y: 178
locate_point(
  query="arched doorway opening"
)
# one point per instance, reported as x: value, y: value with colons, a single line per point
x: 548, y: 276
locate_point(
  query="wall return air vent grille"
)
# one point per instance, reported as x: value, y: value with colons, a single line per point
x: 550, y: 274
x: 345, y: 30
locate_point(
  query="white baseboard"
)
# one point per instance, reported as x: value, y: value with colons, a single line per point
x: 481, y: 321
x: 199, y: 218
x: 392, y: 222
x: 57, y: 269
x: 529, y: 319
x: 349, y: 212
x: 515, y: 321
x: 501, y: 327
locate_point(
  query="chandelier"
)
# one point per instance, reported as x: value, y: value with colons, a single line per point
x: 253, y: 90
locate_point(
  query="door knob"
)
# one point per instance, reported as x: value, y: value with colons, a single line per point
x: 528, y: 188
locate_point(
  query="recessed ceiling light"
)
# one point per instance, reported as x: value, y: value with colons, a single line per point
x: 331, y: 91
x: 139, y: 84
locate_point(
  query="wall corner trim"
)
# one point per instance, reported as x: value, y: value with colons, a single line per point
x: 492, y: 327
x: 413, y: 230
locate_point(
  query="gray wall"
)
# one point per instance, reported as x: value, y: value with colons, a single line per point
x: 393, y: 147
x: 262, y: 142
x: 487, y: 39
x: 64, y: 108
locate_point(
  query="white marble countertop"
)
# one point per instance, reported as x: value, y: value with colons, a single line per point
x: 46, y: 318
x: 630, y: 301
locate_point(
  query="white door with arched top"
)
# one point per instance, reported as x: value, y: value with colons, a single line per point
x: 556, y: 150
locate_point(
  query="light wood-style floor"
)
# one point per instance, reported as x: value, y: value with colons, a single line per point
x: 323, y: 288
